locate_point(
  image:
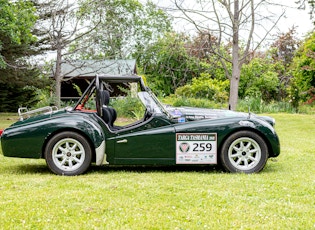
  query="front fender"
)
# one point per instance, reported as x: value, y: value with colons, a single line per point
x: 224, y: 127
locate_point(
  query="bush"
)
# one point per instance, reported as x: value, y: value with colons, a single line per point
x: 259, y: 78
x: 205, y: 87
x: 13, y: 97
x: 178, y: 101
x: 304, y: 68
x: 129, y: 107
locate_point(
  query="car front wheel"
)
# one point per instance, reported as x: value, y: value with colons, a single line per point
x: 245, y: 152
x: 68, y: 153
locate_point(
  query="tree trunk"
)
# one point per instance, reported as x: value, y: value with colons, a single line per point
x: 236, y: 71
x: 58, y: 91
x: 234, y: 82
x: 58, y: 77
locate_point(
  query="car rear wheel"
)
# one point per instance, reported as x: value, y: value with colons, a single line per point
x: 245, y: 152
x: 68, y: 153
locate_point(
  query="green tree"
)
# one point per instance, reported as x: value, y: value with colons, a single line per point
x: 304, y: 68
x: 282, y: 52
x: 18, y: 81
x: 260, y: 79
x: 122, y: 28
x: 168, y: 65
x: 16, y: 21
x: 284, y: 47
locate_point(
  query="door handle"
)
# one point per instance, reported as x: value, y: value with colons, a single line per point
x: 122, y: 141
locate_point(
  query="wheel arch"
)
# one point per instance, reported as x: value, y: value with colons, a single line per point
x: 87, y: 137
x: 258, y: 132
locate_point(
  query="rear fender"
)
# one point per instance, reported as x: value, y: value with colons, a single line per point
x: 91, y: 130
x: 28, y: 139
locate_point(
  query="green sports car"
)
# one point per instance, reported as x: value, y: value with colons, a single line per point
x: 71, y: 139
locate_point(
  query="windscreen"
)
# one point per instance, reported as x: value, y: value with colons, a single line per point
x: 149, y: 103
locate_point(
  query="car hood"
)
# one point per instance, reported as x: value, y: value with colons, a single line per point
x: 192, y: 114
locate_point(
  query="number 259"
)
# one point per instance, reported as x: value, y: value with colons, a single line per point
x: 201, y: 147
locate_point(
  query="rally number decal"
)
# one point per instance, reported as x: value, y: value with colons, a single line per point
x: 196, y: 148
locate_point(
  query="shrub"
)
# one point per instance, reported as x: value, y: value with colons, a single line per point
x: 128, y: 106
x: 205, y: 87
x: 259, y: 78
x: 178, y: 101
x: 304, y: 68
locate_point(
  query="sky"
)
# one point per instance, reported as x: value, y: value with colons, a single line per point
x: 292, y: 17
x: 299, y: 18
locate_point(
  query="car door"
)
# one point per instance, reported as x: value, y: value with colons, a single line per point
x: 152, y: 142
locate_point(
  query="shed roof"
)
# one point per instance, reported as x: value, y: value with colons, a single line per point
x: 89, y: 68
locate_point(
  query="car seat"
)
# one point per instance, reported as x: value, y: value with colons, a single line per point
x: 109, y: 114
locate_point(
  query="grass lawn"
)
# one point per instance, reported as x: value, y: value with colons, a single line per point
x: 282, y: 196
x: 6, y: 119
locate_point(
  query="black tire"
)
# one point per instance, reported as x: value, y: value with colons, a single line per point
x: 68, y: 153
x: 244, y: 152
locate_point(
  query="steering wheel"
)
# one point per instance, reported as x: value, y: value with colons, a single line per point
x: 98, y: 96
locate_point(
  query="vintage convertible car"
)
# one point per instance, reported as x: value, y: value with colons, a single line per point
x: 73, y: 138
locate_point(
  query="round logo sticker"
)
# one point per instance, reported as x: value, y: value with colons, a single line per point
x: 184, y: 147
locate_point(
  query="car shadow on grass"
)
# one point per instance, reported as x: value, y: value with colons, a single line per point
x: 149, y: 169
x: 42, y: 168
x: 38, y: 168
x: 271, y: 167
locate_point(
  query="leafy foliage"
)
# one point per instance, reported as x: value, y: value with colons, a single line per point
x: 178, y: 101
x: 122, y: 28
x: 284, y: 47
x: 18, y: 89
x: 282, y: 52
x: 167, y: 64
x: 16, y: 21
x: 201, y: 47
x: 128, y: 106
x: 205, y: 87
x: 304, y: 68
x: 260, y: 79
x: 19, y: 81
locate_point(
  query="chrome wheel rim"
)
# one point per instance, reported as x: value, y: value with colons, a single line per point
x: 68, y: 154
x: 244, y: 153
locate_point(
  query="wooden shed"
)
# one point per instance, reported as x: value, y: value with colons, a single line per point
x: 78, y: 73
